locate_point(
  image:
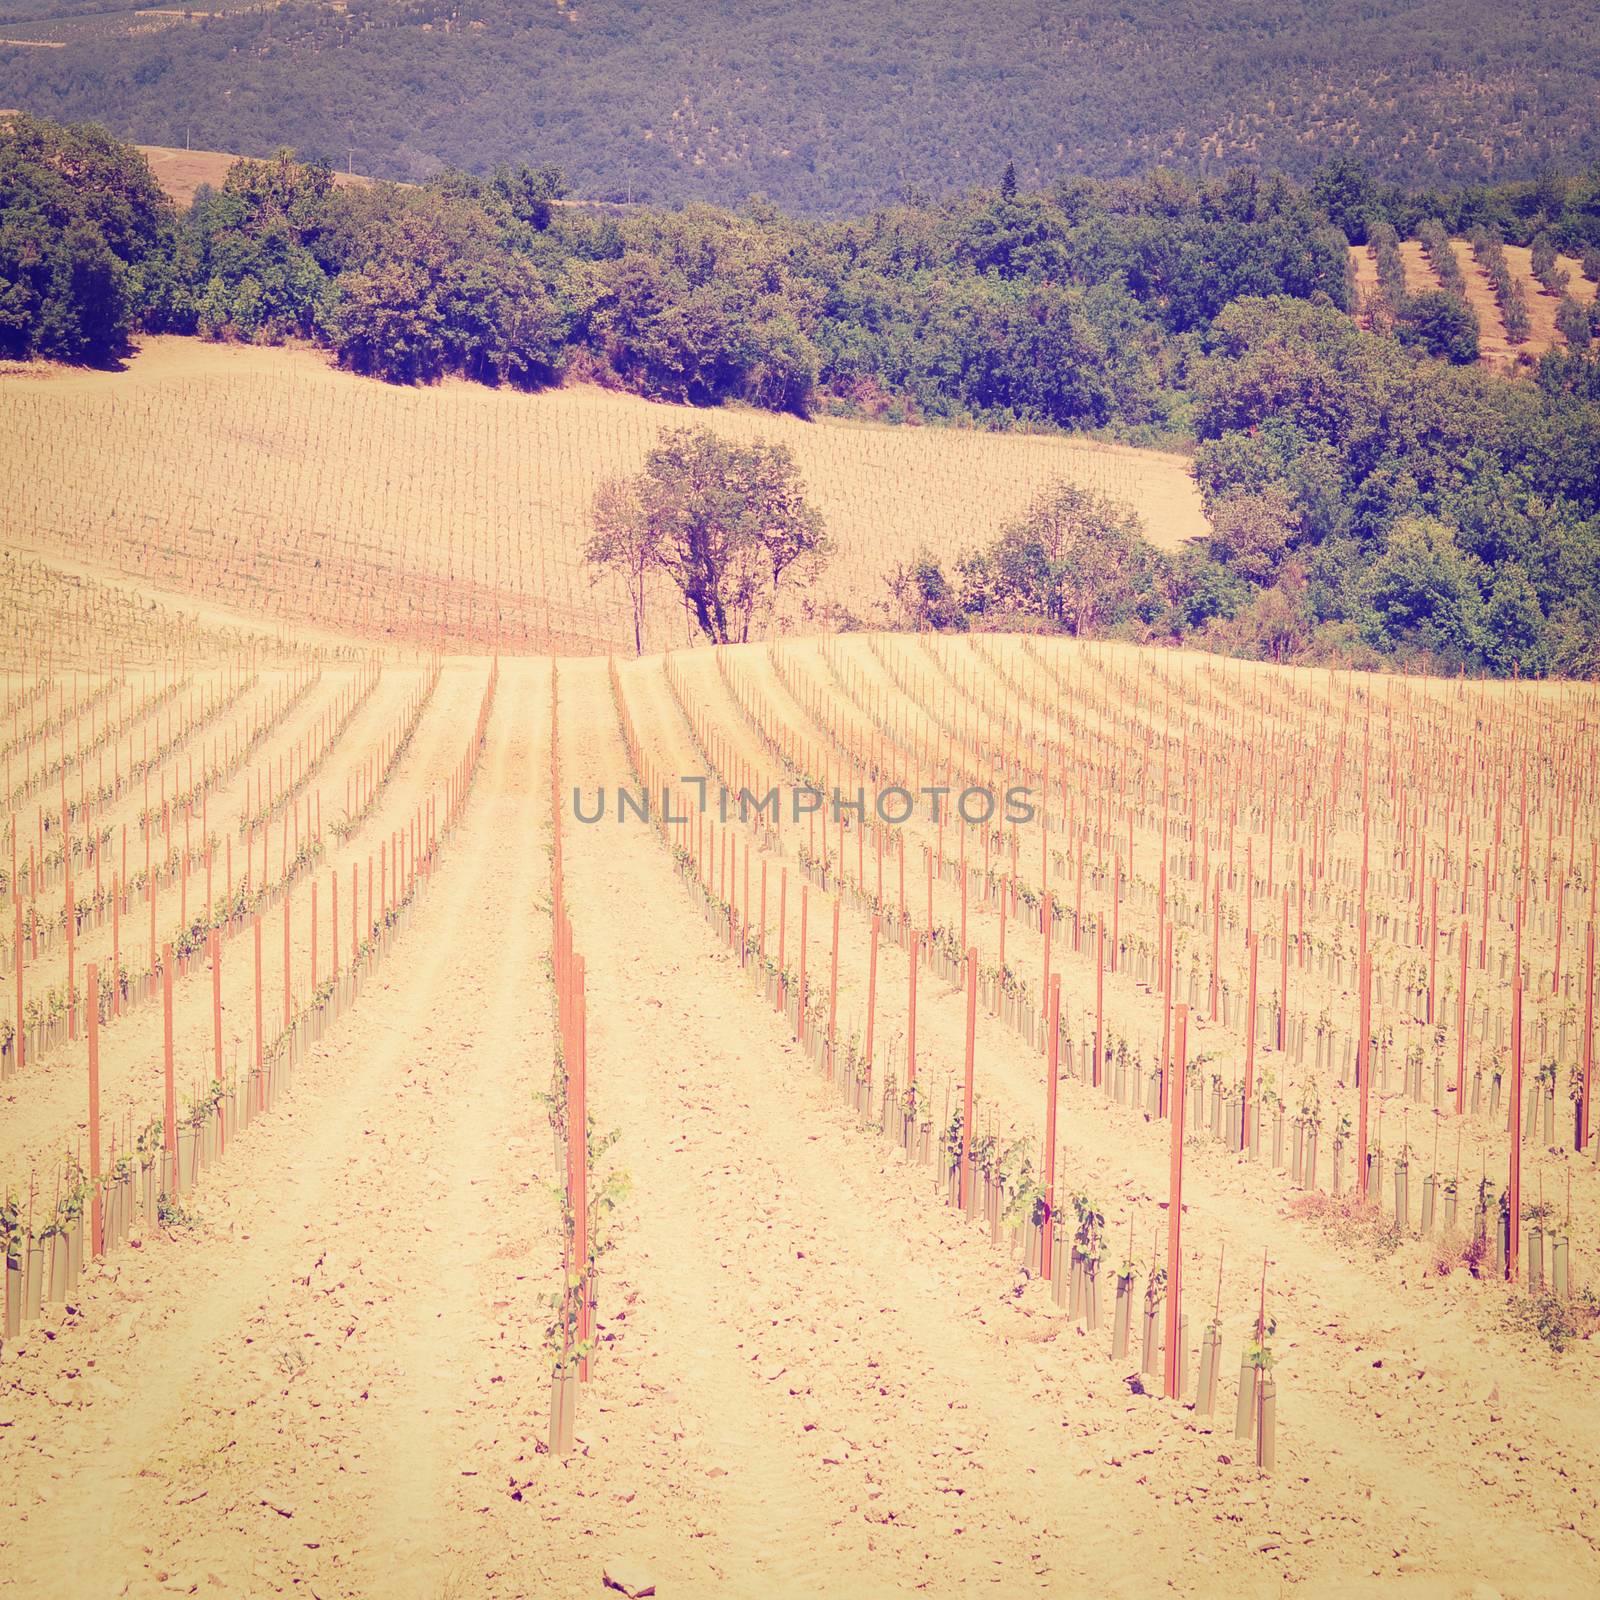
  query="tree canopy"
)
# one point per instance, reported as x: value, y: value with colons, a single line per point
x: 78, y: 213
x: 1075, y: 561
x: 724, y: 523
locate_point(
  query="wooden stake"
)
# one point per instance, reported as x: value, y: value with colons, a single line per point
x: 966, y: 1087
x: 97, y: 1221
x: 1178, y: 1102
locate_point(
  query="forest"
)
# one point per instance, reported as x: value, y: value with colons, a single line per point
x: 827, y: 107
x: 1369, y: 498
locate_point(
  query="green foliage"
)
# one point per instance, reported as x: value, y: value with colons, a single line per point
x: 1075, y: 561
x: 1573, y: 323
x: 1447, y: 514
x: 78, y: 212
x: 1391, y: 265
x: 1372, y: 491
x: 1253, y: 532
x: 925, y: 597
x: 1491, y: 256
x: 1545, y: 268
x: 723, y: 522
x: 1345, y: 190
x: 1556, y: 1320
x: 172, y: 1213
x: 698, y: 307
x: 1439, y: 323
x: 1421, y: 592
x: 1442, y: 257
x: 429, y: 288
x: 827, y: 105
x: 1259, y: 1351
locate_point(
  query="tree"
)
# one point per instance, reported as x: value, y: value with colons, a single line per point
x: 1008, y: 182
x: 1441, y: 324
x: 623, y: 543
x: 528, y: 195
x: 1253, y: 532
x: 429, y: 290
x: 726, y: 523
x: 1345, y: 191
x: 78, y: 212
x: 1513, y: 625
x: 1422, y: 592
x: 926, y: 599
x: 1572, y: 322
x: 85, y: 313
x: 1076, y: 560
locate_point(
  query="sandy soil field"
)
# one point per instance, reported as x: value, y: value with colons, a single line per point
x: 270, y: 483
x: 181, y: 172
x: 1272, y: 1021
x: 327, y: 1371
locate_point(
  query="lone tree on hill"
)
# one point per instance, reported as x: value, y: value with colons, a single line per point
x: 726, y: 523
x: 1076, y: 560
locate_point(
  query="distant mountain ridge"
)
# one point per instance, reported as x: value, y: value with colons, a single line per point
x: 828, y: 106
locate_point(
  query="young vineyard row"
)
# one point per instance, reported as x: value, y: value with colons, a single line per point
x: 962, y: 1091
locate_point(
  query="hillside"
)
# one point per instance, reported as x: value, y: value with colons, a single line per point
x: 181, y: 172
x: 1210, y: 320
x: 890, y: 1286
x: 269, y: 482
x: 1496, y: 350
x: 826, y: 106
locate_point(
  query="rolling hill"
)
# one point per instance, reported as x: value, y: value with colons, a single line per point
x: 267, y: 481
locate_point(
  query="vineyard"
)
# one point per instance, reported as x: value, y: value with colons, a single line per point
x: 262, y: 481
x: 857, y: 1113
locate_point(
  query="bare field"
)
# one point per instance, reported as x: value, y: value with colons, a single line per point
x: 1494, y: 347
x: 328, y: 1366
x: 268, y: 482
x: 181, y: 172
x: 1191, y: 1182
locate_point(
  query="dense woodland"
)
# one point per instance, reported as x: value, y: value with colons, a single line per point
x: 1369, y: 497
x: 829, y: 106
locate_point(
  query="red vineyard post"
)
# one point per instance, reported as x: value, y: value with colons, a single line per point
x: 833, y: 983
x: 1179, y: 1102
x: 97, y: 1220
x: 169, y: 1113
x: 911, y: 1020
x: 1250, y: 1040
x: 1586, y: 1111
x: 287, y: 964
x: 1514, y: 1136
x: 1052, y: 1081
x: 1363, y: 1069
x: 216, y: 1004
x: 20, y: 1036
x: 966, y: 1087
x: 872, y: 988
x: 259, y: 1000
